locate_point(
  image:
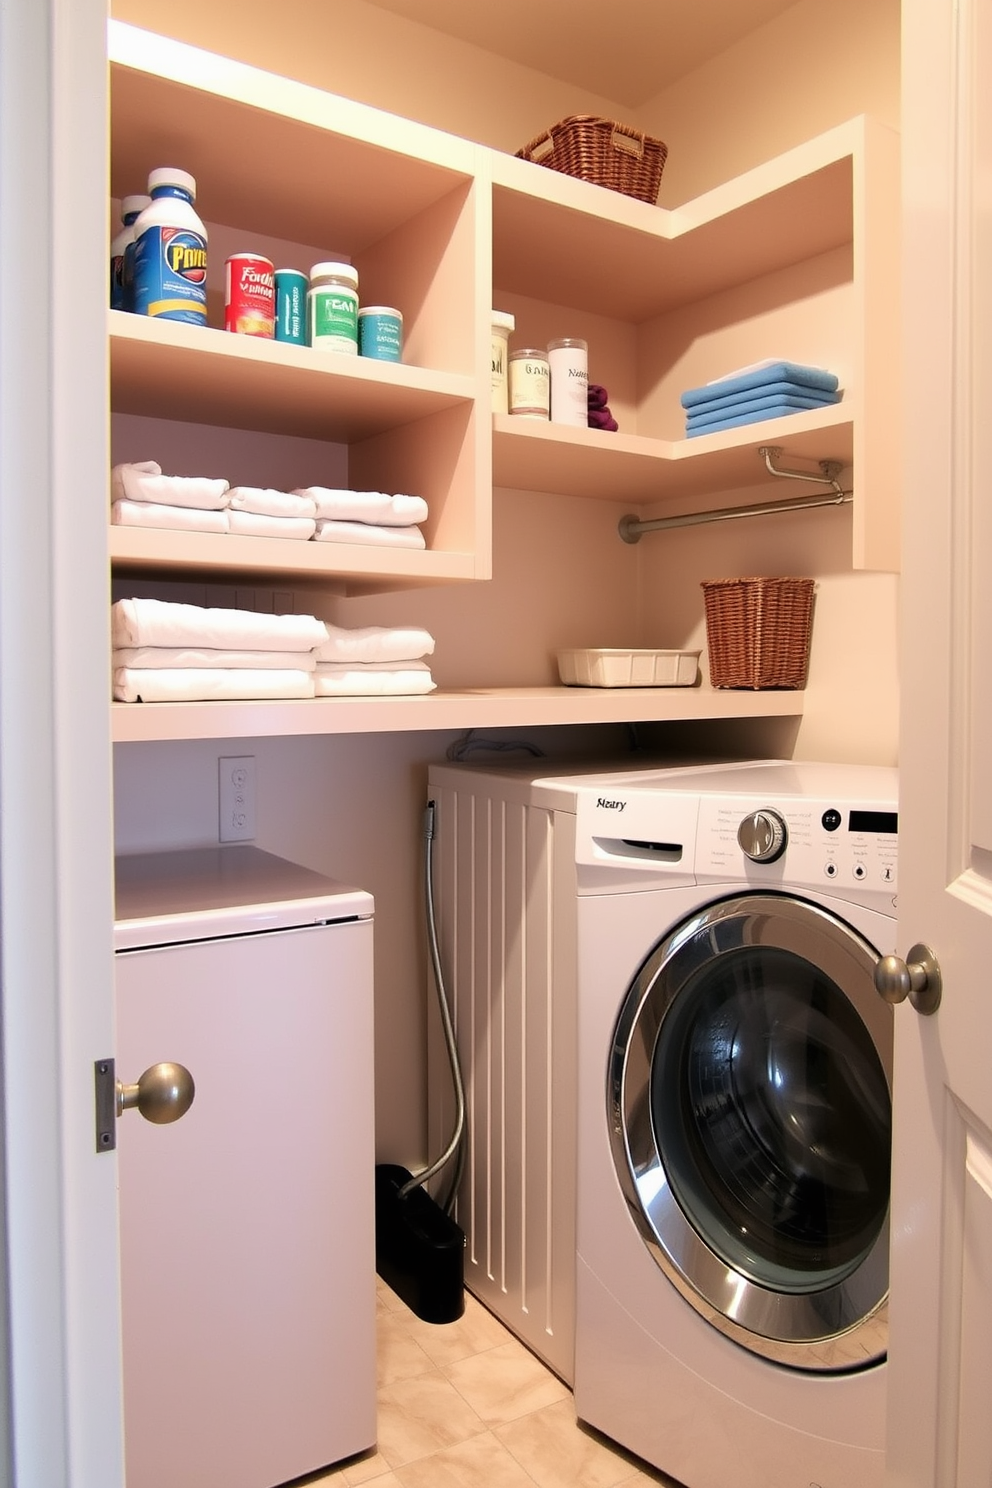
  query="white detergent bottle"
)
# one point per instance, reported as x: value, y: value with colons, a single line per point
x: 170, y: 251
x: 131, y: 206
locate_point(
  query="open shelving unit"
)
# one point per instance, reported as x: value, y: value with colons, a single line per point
x: 803, y: 247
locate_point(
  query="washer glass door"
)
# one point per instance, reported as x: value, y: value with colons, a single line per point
x: 751, y: 1117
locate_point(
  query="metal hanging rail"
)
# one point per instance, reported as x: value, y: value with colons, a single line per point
x: 632, y: 528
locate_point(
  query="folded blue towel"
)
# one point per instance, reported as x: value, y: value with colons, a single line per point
x: 813, y: 397
x: 814, y: 377
x: 731, y: 409
x: 778, y: 410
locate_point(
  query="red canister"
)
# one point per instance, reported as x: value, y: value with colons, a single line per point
x: 250, y: 295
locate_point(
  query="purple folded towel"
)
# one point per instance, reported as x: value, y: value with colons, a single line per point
x: 598, y: 396
x: 602, y: 418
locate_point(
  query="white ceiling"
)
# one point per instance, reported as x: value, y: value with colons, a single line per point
x: 623, y: 50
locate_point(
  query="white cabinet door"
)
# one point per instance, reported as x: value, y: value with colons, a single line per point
x: 941, y: 1330
x: 247, y: 1227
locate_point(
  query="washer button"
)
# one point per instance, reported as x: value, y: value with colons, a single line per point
x: 860, y: 871
x: 831, y: 819
x: 830, y: 869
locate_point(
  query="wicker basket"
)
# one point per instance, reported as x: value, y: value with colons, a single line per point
x: 602, y: 151
x: 758, y: 631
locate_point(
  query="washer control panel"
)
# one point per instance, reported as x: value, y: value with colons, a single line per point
x: 800, y: 842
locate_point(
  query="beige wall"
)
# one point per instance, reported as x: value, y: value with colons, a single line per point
x: 352, y: 807
x: 812, y: 67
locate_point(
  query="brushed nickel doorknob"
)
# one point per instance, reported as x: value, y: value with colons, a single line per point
x: 918, y: 978
x: 162, y: 1094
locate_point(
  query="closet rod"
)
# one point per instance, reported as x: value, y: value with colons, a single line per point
x: 632, y: 528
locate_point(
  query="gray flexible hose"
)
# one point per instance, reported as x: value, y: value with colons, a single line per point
x: 449, y: 1033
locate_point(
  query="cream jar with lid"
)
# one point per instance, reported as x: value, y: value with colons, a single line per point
x: 502, y: 324
x: 530, y: 383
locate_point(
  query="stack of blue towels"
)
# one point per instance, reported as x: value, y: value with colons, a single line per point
x: 767, y: 390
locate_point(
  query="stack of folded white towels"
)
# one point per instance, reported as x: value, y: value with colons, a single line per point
x: 374, y: 661
x: 141, y: 496
x: 367, y: 516
x: 165, y: 652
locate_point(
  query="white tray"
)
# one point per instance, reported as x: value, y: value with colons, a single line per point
x: 616, y: 668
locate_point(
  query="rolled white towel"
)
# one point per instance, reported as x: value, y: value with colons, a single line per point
x: 177, y: 518
x: 366, y: 506
x: 365, y: 533
x: 255, y: 524
x: 208, y: 684
x: 267, y: 503
x: 413, y: 678
x: 159, y: 622
x: 143, y: 480
x: 375, y: 643
x: 170, y: 658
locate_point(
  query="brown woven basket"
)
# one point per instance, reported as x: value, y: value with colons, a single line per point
x: 602, y: 151
x: 758, y: 631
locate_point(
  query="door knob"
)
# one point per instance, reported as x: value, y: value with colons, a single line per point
x: 918, y: 978
x: 162, y: 1094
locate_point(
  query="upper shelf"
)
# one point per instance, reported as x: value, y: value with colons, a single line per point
x: 530, y: 455
x: 205, y: 376
x: 634, y: 261
x: 523, y: 707
x: 266, y: 150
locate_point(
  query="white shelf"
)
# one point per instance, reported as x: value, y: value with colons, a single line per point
x: 205, y: 376
x: 531, y: 455
x: 146, y: 550
x: 525, y: 707
x: 574, y: 243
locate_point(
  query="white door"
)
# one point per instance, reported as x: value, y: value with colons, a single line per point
x: 60, y: 1414
x: 940, y: 1357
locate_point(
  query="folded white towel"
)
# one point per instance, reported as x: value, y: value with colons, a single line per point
x: 178, y: 518
x: 172, y: 657
x: 208, y: 684
x: 375, y: 643
x: 367, y: 533
x: 143, y: 481
x: 366, y: 506
x: 268, y: 503
x: 159, y: 622
x: 350, y: 681
x: 255, y: 524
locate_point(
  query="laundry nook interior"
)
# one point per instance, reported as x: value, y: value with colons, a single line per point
x: 416, y: 679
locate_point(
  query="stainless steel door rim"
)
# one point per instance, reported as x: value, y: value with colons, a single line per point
x: 749, y: 1099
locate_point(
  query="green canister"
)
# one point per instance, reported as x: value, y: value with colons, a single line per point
x: 380, y: 333
x: 332, y: 308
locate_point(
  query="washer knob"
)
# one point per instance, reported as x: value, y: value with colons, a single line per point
x: 762, y: 836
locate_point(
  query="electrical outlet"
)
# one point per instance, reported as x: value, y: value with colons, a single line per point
x: 236, y: 779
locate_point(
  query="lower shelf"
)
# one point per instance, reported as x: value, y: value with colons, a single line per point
x: 514, y: 707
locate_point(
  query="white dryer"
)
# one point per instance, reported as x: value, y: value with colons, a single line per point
x: 734, y: 1102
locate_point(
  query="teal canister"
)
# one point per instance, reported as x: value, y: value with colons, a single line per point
x: 380, y: 333
x: 291, y: 306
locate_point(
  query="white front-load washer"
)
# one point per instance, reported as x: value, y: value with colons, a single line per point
x: 734, y: 1103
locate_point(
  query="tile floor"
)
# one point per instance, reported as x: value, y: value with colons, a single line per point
x: 466, y: 1405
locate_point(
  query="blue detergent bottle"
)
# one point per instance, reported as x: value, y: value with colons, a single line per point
x: 170, y: 251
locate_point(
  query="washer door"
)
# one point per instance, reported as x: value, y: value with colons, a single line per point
x: 750, y: 1115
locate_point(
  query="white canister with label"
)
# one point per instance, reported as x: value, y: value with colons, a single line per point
x: 568, y: 360
x: 530, y: 380
x: 503, y: 324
